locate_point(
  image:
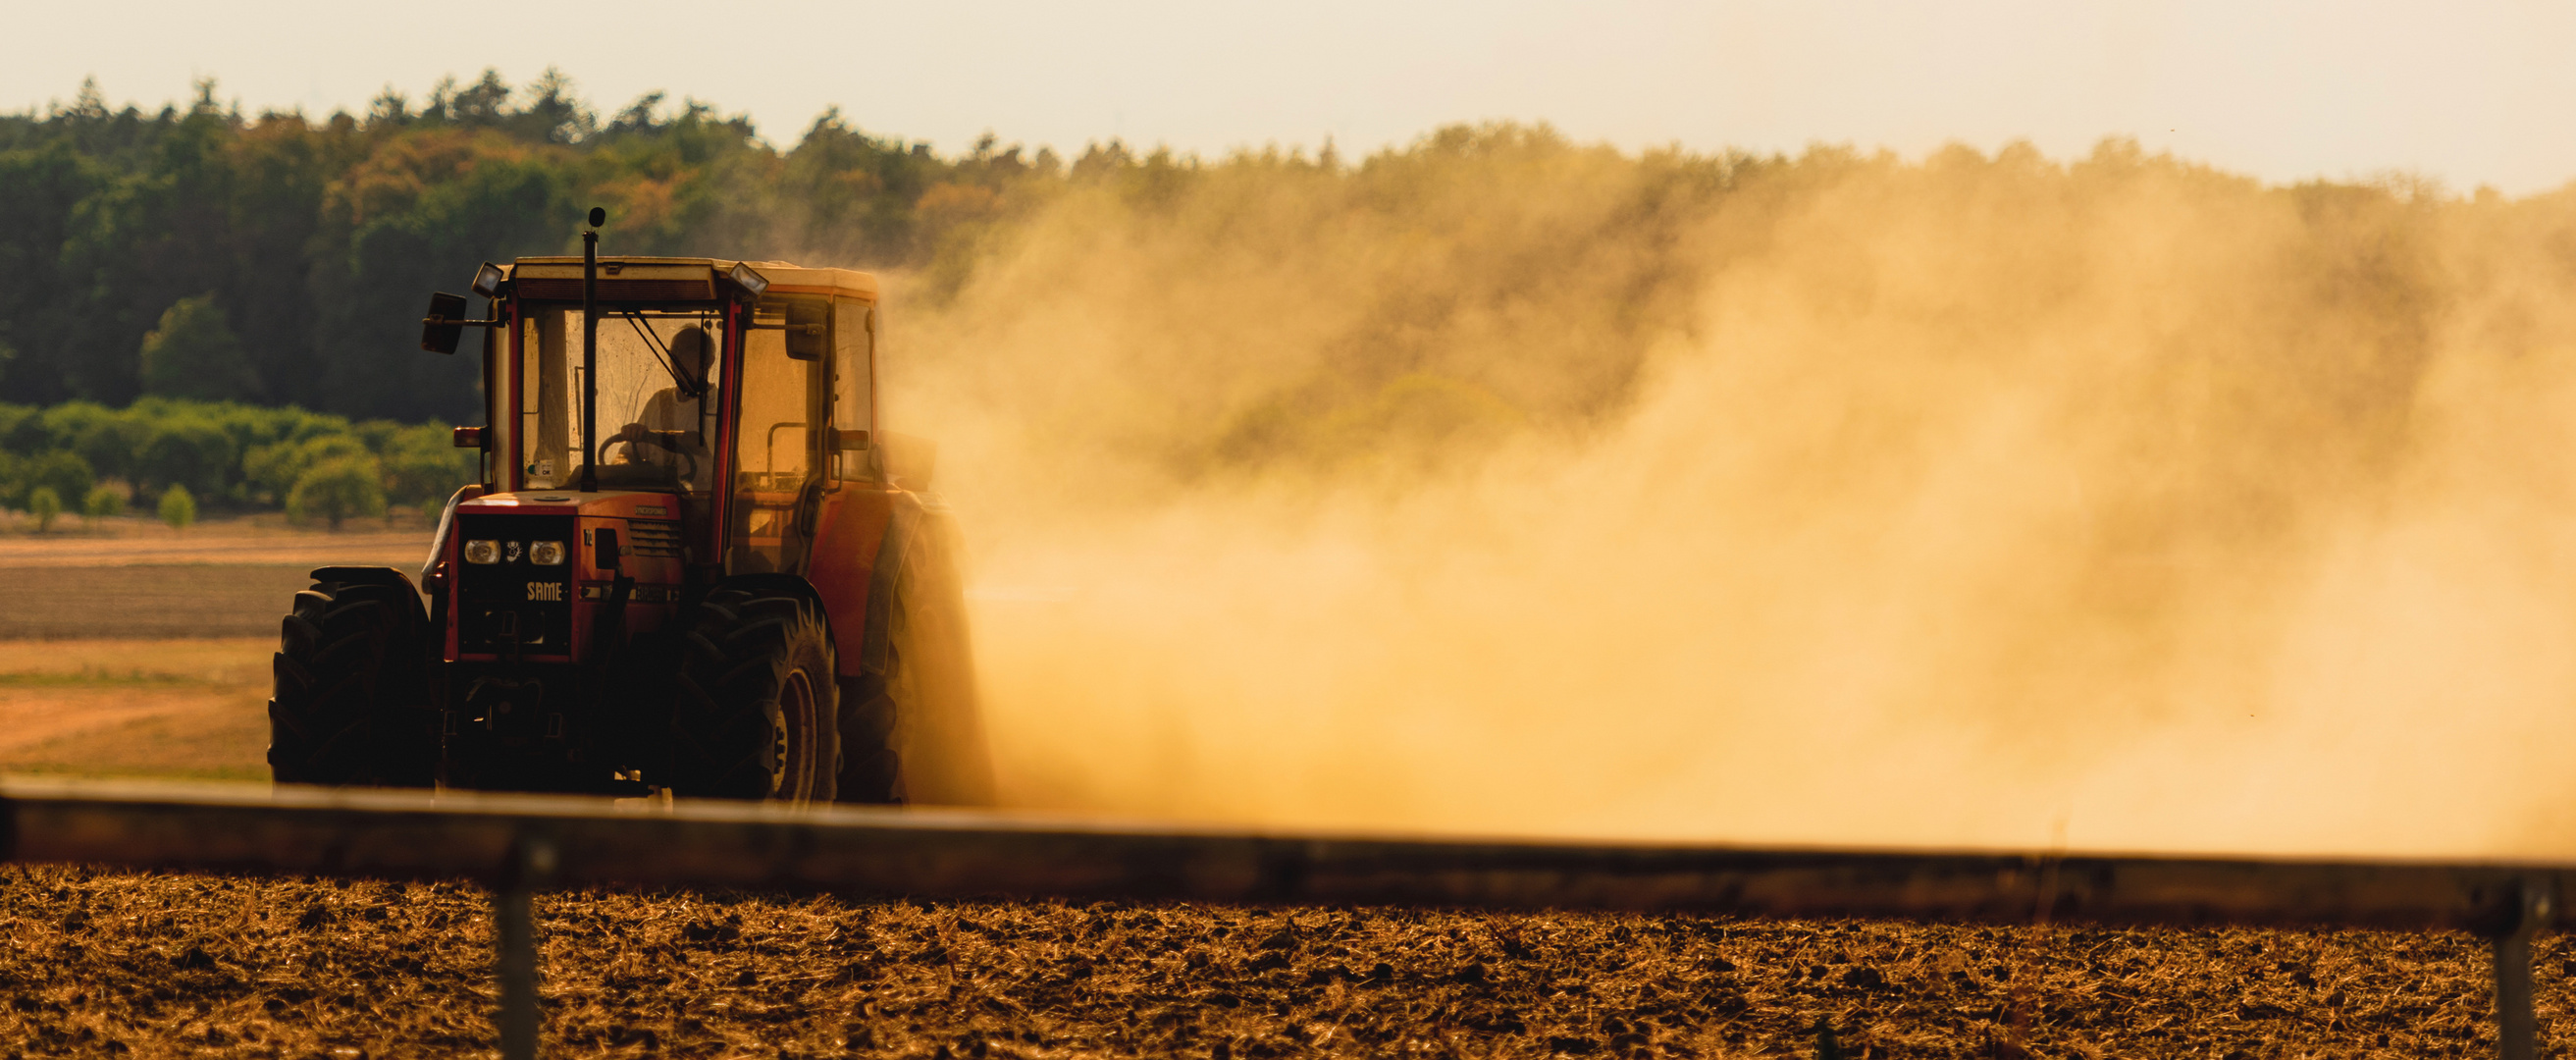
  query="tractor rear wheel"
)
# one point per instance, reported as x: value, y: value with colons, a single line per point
x: 913, y: 733
x: 351, y: 704
x: 755, y: 712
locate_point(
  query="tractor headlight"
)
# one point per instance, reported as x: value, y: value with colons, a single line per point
x: 546, y: 553
x: 482, y: 552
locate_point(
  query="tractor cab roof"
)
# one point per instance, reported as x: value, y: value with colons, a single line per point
x: 629, y: 278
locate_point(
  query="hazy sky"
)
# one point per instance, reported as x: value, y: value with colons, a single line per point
x: 2468, y: 93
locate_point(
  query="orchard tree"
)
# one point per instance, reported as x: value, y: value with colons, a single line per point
x: 336, y: 489
x: 103, y: 502
x: 178, y: 509
x: 44, y: 504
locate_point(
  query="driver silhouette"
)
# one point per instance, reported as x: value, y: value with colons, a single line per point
x: 669, y: 419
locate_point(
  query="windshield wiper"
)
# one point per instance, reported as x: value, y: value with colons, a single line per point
x: 693, y: 388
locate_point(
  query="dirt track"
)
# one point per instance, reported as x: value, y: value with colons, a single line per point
x: 192, y: 707
x: 212, y: 966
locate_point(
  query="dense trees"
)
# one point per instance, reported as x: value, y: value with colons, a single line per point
x: 168, y: 453
x: 194, y: 354
x: 198, y: 252
x: 176, y: 287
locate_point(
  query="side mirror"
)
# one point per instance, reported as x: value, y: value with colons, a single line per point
x: 849, y: 439
x: 807, y: 337
x: 445, y: 325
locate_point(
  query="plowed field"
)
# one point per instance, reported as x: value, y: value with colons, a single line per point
x: 153, y: 965
x: 107, y: 964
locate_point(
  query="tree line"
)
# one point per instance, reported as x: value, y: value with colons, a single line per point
x: 280, y: 259
x: 196, y: 273
x: 170, y: 455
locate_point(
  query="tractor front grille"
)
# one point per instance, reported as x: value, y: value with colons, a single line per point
x: 514, y: 607
x: 649, y: 537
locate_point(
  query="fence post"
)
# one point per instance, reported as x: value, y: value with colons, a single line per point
x: 530, y: 861
x: 2517, y: 1030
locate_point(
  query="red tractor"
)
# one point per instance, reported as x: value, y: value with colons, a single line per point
x: 694, y: 565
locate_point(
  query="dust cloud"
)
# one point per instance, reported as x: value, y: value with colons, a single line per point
x: 1508, y: 485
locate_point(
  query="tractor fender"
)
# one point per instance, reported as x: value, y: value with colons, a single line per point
x: 365, y: 576
x: 779, y: 584
x: 920, y: 524
x: 891, y: 554
x: 374, y: 576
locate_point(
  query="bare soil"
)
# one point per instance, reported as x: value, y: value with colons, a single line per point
x: 167, y: 708
x: 230, y: 579
x: 45, y: 603
x: 158, y: 965
x: 267, y: 540
x: 96, y: 963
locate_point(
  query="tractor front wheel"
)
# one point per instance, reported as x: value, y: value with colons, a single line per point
x: 755, y: 712
x: 351, y: 705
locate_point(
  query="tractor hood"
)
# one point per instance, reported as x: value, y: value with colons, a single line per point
x: 606, y: 504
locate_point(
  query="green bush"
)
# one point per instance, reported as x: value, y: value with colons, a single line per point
x: 109, y: 444
x: 178, y: 509
x: 423, y: 466
x: 22, y: 429
x: 337, y: 488
x: 187, y: 451
x: 273, y: 470
x: 63, y: 426
x: 103, y: 502
x: 44, y: 504
x: 222, y: 452
x: 66, y: 474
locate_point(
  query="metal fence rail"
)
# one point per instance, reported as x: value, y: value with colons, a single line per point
x: 518, y: 843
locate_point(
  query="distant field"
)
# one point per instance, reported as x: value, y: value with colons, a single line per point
x: 229, y: 579
x: 51, y: 603
x: 128, y: 649
x: 193, y: 708
x: 125, y: 542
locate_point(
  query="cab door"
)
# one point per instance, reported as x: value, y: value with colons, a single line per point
x: 856, y: 507
x: 777, y: 465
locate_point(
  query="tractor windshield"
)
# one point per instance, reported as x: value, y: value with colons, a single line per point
x: 657, y: 405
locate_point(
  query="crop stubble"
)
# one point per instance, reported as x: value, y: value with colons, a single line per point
x: 164, y: 965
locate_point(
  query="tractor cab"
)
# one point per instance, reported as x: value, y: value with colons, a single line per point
x: 694, y: 565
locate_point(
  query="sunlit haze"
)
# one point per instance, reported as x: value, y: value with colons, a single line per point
x: 2179, y: 459
x: 2474, y: 94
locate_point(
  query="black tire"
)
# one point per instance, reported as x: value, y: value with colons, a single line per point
x: 871, y: 771
x: 754, y: 710
x: 914, y: 733
x: 351, y: 701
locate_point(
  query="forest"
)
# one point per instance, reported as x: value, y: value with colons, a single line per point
x: 280, y: 259
x: 178, y: 288
x: 170, y: 277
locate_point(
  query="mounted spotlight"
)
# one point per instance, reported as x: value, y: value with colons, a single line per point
x: 487, y: 280
x: 750, y: 281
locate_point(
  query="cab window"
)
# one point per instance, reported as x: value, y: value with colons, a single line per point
x: 775, y: 449
x: 853, y: 376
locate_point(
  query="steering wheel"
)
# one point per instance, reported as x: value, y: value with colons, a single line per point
x: 634, y: 434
